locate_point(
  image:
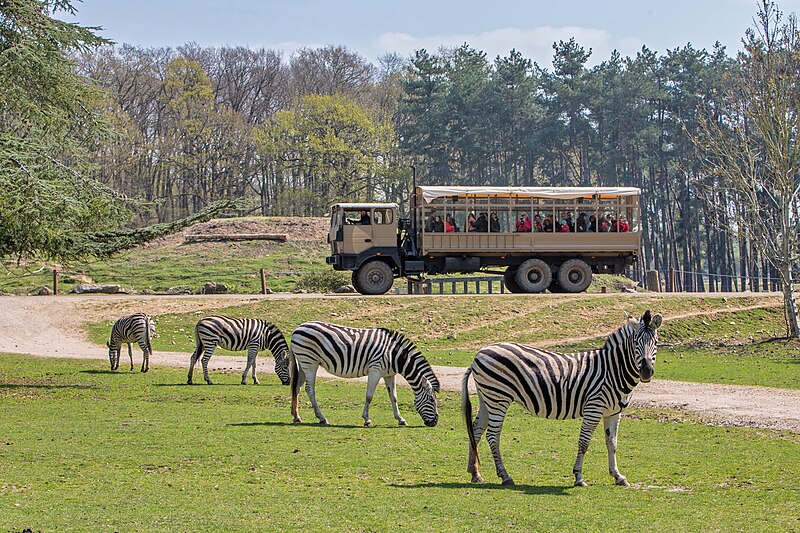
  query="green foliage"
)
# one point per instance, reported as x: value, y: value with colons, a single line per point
x: 323, y: 280
x: 183, y: 458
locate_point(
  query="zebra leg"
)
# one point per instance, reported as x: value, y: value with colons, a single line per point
x: 301, y: 377
x: 611, y: 424
x: 311, y: 382
x: 192, y: 362
x: 390, y: 388
x: 252, y: 351
x: 373, y: 378
x: 206, y: 357
x: 493, y: 438
x: 478, y: 428
x: 130, y: 355
x: 588, y: 425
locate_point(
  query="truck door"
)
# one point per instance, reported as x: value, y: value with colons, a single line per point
x: 357, y: 231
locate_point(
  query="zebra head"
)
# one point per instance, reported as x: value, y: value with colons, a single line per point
x: 282, y: 365
x: 411, y: 364
x: 645, y: 342
x: 425, y: 403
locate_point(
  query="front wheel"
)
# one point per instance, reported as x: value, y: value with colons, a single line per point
x: 533, y: 275
x: 374, y: 277
x: 510, y: 279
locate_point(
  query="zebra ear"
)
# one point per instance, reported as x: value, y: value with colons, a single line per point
x: 655, y: 323
x: 646, y: 318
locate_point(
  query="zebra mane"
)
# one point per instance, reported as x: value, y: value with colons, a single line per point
x: 627, y: 329
x: 404, y: 343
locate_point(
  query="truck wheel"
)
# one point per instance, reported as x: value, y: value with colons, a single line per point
x: 374, y: 277
x: 509, y: 278
x: 574, y: 275
x: 533, y: 275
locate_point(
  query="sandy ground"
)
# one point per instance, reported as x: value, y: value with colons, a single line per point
x: 51, y: 327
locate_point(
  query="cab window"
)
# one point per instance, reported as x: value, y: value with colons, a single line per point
x: 382, y: 216
x: 357, y: 217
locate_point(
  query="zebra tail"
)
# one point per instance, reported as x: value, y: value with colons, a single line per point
x: 294, y: 373
x: 466, y: 410
x: 148, y: 337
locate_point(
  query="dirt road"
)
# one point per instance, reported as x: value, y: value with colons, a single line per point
x: 51, y: 327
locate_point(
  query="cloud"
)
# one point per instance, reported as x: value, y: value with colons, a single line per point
x: 534, y: 43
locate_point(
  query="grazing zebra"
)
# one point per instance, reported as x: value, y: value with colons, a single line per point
x: 138, y: 328
x: 351, y: 352
x: 594, y: 385
x: 237, y: 334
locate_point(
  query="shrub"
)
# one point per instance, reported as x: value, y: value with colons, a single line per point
x: 323, y: 280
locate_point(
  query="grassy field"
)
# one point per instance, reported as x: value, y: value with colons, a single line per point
x: 722, y: 346
x: 82, y: 449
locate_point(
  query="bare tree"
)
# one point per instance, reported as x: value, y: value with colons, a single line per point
x: 752, y: 146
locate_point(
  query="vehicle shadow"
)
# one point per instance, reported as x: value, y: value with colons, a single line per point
x: 527, y: 489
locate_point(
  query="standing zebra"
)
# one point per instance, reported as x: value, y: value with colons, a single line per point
x: 352, y: 352
x: 138, y: 328
x: 237, y: 334
x: 594, y: 385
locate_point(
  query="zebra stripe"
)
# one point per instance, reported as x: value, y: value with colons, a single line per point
x: 138, y: 328
x: 239, y: 334
x: 595, y: 385
x: 352, y: 352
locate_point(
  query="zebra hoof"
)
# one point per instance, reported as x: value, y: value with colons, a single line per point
x: 324, y: 422
x: 368, y: 424
x: 244, y: 382
x: 402, y: 422
x: 476, y: 478
x: 622, y: 482
x: 189, y: 382
x: 256, y: 382
x: 298, y: 420
x: 581, y: 483
x: 508, y: 481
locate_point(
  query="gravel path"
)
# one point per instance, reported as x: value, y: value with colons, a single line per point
x: 51, y: 327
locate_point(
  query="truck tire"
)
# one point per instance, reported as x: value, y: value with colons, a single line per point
x: 534, y: 275
x: 574, y: 275
x: 510, y: 280
x: 374, y: 277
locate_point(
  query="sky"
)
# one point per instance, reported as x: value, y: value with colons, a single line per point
x: 373, y: 28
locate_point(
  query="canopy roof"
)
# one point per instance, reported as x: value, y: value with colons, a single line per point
x: 366, y: 206
x: 430, y: 193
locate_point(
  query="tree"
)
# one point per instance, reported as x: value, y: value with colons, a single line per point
x: 751, y: 144
x: 50, y: 120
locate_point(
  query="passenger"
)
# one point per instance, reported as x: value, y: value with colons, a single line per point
x: 593, y: 224
x: 429, y: 221
x: 547, y: 225
x: 537, y: 222
x: 582, y: 223
x: 494, y: 223
x: 438, y: 224
x: 365, y: 220
x: 471, y: 222
x: 524, y: 223
x: 609, y: 222
x: 482, y: 225
x: 564, y: 227
x: 622, y: 224
x: 450, y: 225
x: 568, y: 221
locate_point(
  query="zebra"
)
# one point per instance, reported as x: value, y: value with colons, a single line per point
x: 594, y: 385
x: 238, y: 334
x: 351, y: 352
x: 138, y: 328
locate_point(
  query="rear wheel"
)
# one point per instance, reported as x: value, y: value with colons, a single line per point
x: 510, y: 280
x: 534, y: 275
x: 374, y: 277
x: 574, y: 275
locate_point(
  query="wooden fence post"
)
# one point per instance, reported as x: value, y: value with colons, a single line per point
x: 652, y: 281
x: 55, y: 281
x: 263, y: 282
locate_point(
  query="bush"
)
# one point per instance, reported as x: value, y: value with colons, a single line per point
x: 323, y: 280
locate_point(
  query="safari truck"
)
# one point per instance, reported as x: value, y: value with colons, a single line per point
x: 539, y: 238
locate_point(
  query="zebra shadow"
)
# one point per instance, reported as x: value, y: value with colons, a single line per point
x: 550, y: 490
x: 106, y: 371
x: 313, y: 425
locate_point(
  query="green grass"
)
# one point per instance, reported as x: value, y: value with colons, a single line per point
x: 86, y: 450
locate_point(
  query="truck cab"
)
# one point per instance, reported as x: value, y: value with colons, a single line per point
x: 364, y: 238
